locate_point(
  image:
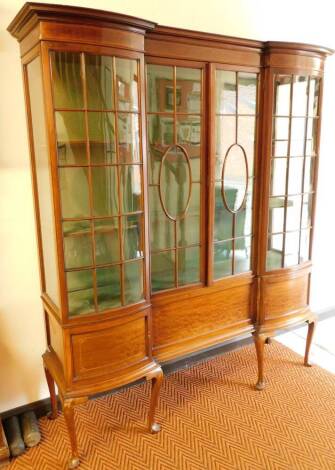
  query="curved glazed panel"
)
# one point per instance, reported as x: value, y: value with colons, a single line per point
x: 235, y: 178
x: 175, y: 187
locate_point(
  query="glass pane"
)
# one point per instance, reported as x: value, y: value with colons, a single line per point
x: 304, y: 245
x: 313, y: 97
x: 282, y: 95
x: 223, y: 224
x: 223, y: 259
x: 188, y: 83
x: 189, y: 136
x: 246, y: 138
x: 297, y: 137
x: 311, y: 137
x: 160, y: 96
x: 293, y: 213
x: 107, y: 246
x: 101, y: 128
x: 74, y: 192
x: 162, y: 270
x: 105, y: 194
x: 67, y: 80
x: 133, y: 282
x: 160, y: 136
x: 131, y: 188
x: 280, y: 148
x: 71, y: 138
x: 175, y: 182
x: 247, y: 93
x: 129, y: 140
x: 278, y: 177
x: 306, y: 219
x: 295, y: 175
x: 161, y: 228
x: 99, y: 82
x: 274, y: 254
x: 225, y: 137
x: 276, y: 219
x: 243, y: 224
x: 281, y: 128
x: 242, y: 255
x: 108, y: 287
x: 43, y: 179
x: 132, y: 236
x: 309, y: 174
x: 235, y: 178
x: 77, y: 244
x: 126, y: 84
x: 80, y: 292
x: 188, y: 228
x: 225, y: 92
x: 188, y: 265
x: 299, y: 103
x: 291, y: 249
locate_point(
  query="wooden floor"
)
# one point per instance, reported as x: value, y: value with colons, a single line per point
x: 212, y: 419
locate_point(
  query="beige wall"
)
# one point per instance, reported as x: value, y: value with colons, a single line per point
x: 22, y: 339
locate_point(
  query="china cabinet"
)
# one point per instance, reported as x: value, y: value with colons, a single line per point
x: 174, y: 176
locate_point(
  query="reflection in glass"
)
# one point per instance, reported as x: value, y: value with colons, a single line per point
x: 313, y: 96
x: 130, y: 176
x: 304, y: 245
x: 309, y: 174
x: 161, y: 228
x: 225, y: 137
x: 80, y: 292
x: 71, y: 138
x: 243, y: 224
x: 133, y: 282
x: 132, y: 236
x: 189, y: 136
x: 242, y: 255
x: 235, y: 178
x: 306, y: 218
x: 299, y: 99
x: 77, y: 244
x: 129, y: 140
x: 223, y: 223
x: 188, y: 228
x: 160, y: 94
x: 293, y: 213
x: 246, y: 138
x: 297, y: 137
x: 247, y: 93
x: 127, y: 84
x: 295, y: 175
x: 99, y: 82
x: 188, y: 265
x: 282, y: 95
x: 108, y: 287
x: 67, y: 80
x: 278, y: 176
x: 105, y: 195
x: 189, y: 88
x: 175, y: 182
x: 162, y: 270
x: 101, y: 130
x: 160, y: 137
x: 275, y: 251
x: 73, y: 184
x: 291, y: 249
x: 225, y: 92
x: 107, y: 247
x: 223, y: 259
x: 276, y: 219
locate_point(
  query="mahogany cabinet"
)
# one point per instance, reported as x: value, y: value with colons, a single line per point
x: 174, y: 176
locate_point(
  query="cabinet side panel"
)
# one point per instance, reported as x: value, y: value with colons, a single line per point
x: 44, y: 206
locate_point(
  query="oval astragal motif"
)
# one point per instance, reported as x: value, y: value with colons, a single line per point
x: 175, y: 182
x: 235, y: 178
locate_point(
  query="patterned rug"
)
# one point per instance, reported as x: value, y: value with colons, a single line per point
x: 212, y: 418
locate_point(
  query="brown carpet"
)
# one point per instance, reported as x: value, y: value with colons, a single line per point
x: 212, y: 418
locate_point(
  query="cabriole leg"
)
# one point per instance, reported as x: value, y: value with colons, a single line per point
x: 310, y: 333
x: 156, y: 381
x: 259, y: 344
x: 53, y: 398
x: 68, y: 409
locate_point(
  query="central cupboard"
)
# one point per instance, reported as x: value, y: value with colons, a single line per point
x: 174, y: 177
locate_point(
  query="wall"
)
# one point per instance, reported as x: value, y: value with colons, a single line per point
x: 22, y: 338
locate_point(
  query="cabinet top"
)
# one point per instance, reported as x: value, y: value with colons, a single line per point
x: 32, y: 13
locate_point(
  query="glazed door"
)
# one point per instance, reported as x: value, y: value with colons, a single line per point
x: 97, y: 115
x: 175, y: 124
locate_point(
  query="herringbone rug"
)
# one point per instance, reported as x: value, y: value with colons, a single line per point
x: 212, y: 418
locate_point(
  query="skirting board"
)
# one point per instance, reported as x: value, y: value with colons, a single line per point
x: 42, y: 407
